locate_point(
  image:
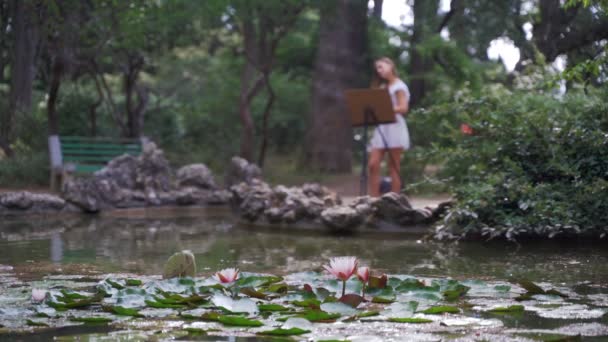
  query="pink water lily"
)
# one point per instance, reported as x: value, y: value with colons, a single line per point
x: 227, y: 275
x: 342, y: 268
x: 38, y: 295
x: 363, y: 274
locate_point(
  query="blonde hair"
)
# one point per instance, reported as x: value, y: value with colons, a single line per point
x: 378, y: 81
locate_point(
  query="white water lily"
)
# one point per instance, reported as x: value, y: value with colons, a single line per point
x: 38, y: 295
x: 342, y: 268
x: 227, y: 275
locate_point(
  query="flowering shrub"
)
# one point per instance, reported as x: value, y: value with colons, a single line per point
x: 536, y: 166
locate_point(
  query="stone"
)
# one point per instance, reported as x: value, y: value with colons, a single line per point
x: 196, y: 175
x: 20, y: 200
x: 180, y: 264
x: 25, y: 201
x: 341, y: 218
x: 240, y: 170
x: 391, y: 206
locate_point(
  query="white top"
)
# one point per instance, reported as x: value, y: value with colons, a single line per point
x: 395, y: 87
x: 393, y: 135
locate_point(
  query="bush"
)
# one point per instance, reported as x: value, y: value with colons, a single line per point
x: 535, y: 166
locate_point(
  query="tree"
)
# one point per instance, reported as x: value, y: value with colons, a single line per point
x: 24, y: 27
x: 340, y: 64
x: 262, y: 25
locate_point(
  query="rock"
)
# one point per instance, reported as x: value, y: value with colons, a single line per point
x: 240, y: 170
x: 47, y: 202
x: 196, y: 175
x: 342, y: 218
x: 391, y: 206
x: 180, y: 264
x: 31, y: 202
x: 20, y: 200
x: 153, y: 171
x: 121, y: 170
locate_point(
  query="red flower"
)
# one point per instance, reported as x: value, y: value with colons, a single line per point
x: 466, y: 129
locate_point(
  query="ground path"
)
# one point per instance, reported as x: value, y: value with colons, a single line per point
x: 348, y: 187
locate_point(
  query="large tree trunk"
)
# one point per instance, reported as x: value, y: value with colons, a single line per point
x: 57, y: 71
x: 340, y: 64
x: 134, y: 109
x: 425, y: 24
x: 22, y: 69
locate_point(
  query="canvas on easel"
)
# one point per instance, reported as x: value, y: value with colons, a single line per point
x: 368, y: 107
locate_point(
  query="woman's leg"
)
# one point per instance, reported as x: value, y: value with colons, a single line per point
x: 395, y: 168
x: 373, y: 168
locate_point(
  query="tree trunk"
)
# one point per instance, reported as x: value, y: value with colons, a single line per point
x: 425, y: 24
x: 247, y: 128
x: 56, y: 75
x: 266, y: 118
x: 340, y: 64
x: 134, y: 108
x: 378, y: 9
x: 22, y: 69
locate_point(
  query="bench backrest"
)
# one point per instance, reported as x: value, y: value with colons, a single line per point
x: 89, y: 154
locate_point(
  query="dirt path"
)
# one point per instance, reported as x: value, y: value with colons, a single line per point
x: 348, y: 186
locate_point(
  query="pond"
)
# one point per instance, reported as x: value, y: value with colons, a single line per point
x: 49, y: 252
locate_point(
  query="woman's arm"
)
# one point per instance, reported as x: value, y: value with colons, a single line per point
x: 401, y: 107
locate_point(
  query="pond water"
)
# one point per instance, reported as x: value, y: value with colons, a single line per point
x: 38, y: 248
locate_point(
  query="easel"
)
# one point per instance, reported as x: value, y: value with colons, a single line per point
x: 368, y: 107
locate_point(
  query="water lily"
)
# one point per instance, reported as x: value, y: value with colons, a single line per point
x: 342, y: 268
x: 38, y: 295
x: 227, y: 275
x: 363, y: 274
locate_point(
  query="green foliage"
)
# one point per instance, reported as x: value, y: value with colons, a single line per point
x: 536, y: 166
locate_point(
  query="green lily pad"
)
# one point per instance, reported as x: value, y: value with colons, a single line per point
x: 159, y: 305
x: 91, y: 319
x: 35, y: 323
x: 239, y: 321
x: 122, y: 311
x: 339, y: 308
x: 312, y: 303
x: 435, y: 310
x: 257, y: 281
x: 284, y: 332
x: 320, y: 316
x: 272, y: 307
x: 133, y: 282
x: 383, y: 299
x: 409, y: 320
x: 502, y: 288
x: 508, y: 309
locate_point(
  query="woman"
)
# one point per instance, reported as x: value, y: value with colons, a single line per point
x: 393, y: 138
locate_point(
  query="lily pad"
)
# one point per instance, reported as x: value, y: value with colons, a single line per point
x: 436, y: 310
x: 339, y: 308
x: 272, y: 307
x: 409, y: 320
x: 320, y: 316
x: 508, y: 309
x: 284, y: 332
x: 239, y: 321
x: 91, y: 319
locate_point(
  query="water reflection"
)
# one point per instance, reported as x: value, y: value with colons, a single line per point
x: 142, y: 245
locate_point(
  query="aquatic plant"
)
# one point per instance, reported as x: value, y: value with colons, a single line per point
x: 342, y: 268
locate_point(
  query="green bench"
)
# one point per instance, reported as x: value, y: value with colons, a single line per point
x: 85, y: 155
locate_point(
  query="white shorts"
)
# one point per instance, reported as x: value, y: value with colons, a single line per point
x: 393, y: 135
